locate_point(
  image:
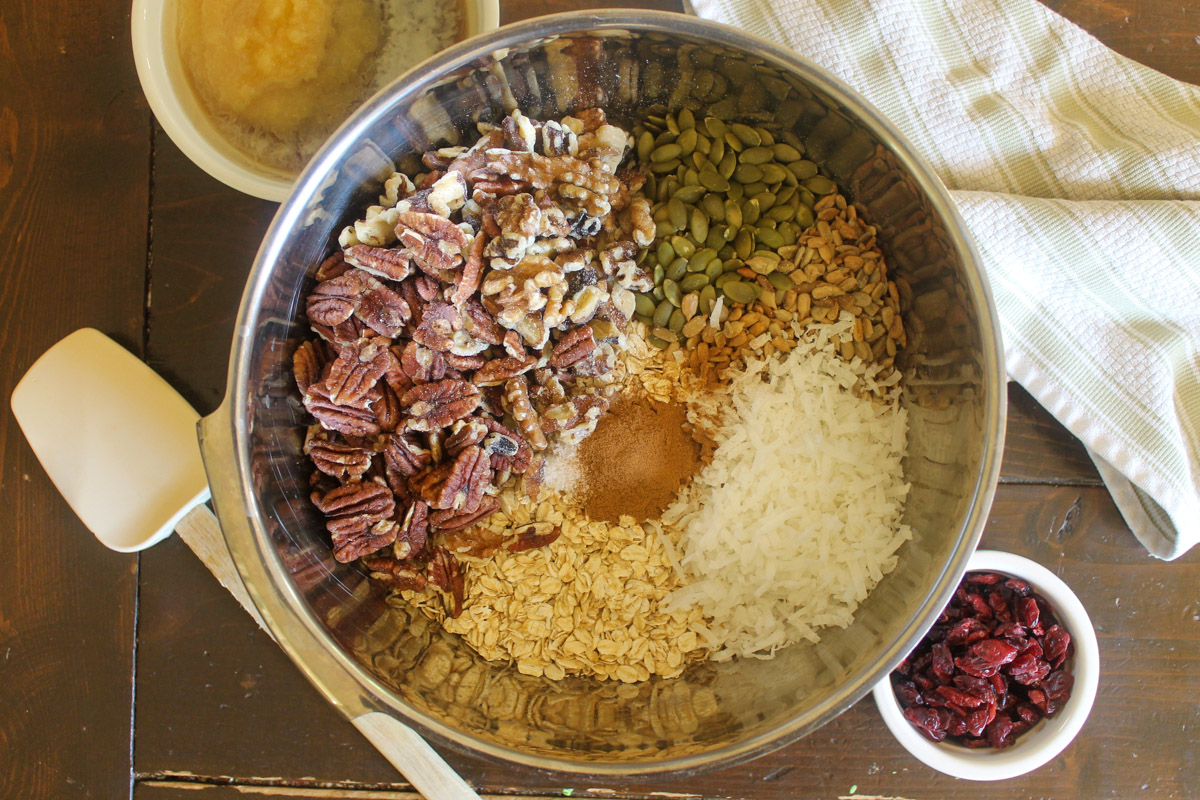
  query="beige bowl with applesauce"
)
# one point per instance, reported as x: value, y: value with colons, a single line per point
x: 249, y: 90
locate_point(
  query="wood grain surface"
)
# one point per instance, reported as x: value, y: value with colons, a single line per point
x: 74, y: 175
x: 107, y: 224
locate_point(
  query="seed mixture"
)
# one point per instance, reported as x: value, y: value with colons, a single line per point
x: 480, y: 321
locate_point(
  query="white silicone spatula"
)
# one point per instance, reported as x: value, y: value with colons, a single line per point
x: 120, y: 445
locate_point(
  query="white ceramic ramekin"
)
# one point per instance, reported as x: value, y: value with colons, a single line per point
x: 1048, y: 737
x: 178, y: 110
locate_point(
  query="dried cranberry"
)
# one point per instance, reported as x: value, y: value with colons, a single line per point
x: 990, y: 668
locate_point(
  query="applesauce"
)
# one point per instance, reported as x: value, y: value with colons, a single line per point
x: 278, y: 76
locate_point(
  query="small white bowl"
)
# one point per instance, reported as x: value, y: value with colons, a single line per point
x: 179, y: 111
x: 1048, y: 737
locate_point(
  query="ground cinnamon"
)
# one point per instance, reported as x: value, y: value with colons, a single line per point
x: 636, y: 460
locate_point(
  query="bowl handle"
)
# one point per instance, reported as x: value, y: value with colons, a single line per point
x: 414, y: 757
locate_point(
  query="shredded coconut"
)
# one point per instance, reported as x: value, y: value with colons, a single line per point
x: 798, y: 516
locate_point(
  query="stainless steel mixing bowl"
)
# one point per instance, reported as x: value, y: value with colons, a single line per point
x: 370, y: 654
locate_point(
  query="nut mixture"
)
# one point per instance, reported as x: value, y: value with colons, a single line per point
x: 468, y: 318
x: 496, y: 303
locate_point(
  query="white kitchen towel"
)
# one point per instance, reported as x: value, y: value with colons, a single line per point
x: 1078, y: 172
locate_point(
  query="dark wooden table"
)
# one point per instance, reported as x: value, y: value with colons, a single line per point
x: 138, y: 676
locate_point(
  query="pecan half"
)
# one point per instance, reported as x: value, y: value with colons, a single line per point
x: 414, y: 531
x: 384, y: 401
x: 404, y: 454
x: 307, y: 363
x: 463, y: 434
x: 435, y: 242
x: 356, y: 543
x: 336, y: 459
x: 538, y: 534
x: 351, y: 420
x: 445, y: 574
x: 394, y: 573
x: 359, y: 295
x: 352, y: 509
x: 472, y: 271
x: 458, y: 484
x: 452, y: 520
x: 422, y: 364
x: 357, y: 369
x: 576, y: 345
x: 436, y: 405
x: 500, y: 370
x: 381, y: 262
x: 332, y: 267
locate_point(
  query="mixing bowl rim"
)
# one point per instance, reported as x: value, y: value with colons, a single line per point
x: 306, y: 639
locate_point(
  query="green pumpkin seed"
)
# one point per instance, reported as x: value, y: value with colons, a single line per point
x: 786, y: 153
x: 727, y: 278
x: 643, y: 304
x: 678, y: 213
x: 662, y: 314
x: 715, y: 127
x: 785, y: 194
x: 717, y: 151
x: 665, y: 137
x: 780, y: 282
x: 708, y: 296
x: 788, y: 231
x: 746, y: 135
x: 770, y: 238
x: 677, y: 269
x: 729, y: 233
x: 739, y: 292
x: 761, y: 265
x: 672, y: 125
x: 756, y: 155
x: 773, y: 173
x: 687, y: 141
x: 703, y: 144
x: 687, y: 120
x: 747, y: 173
x: 658, y: 343
x: 736, y: 191
x: 671, y: 290
x: 733, y: 143
x: 701, y: 259
x: 645, y: 146
x: 684, y: 248
x: 733, y: 214
x: 804, y: 217
x: 698, y: 225
x: 766, y: 200
x: 657, y: 294
x: 712, y: 180
x: 780, y: 213
x: 662, y: 167
x: 663, y: 228
x: 802, y: 169
x: 689, y: 194
x: 715, y: 269
x: 728, y: 165
x: 716, y: 236
x: 675, y: 324
x: 645, y: 320
x: 733, y: 264
x: 714, y: 206
x: 820, y: 185
x: 665, y: 253
x: 660, y: 272
x: 750, y: 211
x: 694, y: 282
x: 767, y: 138
x: 743, y: 244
